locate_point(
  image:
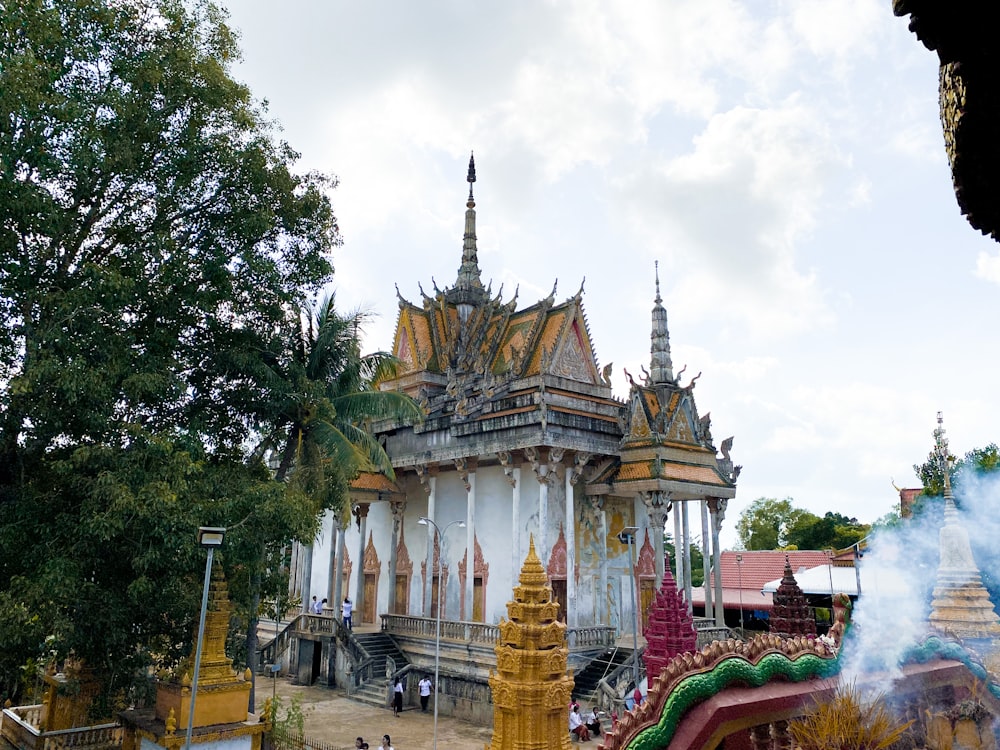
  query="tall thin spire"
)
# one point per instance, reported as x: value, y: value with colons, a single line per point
x: 661, y: 369
x: 469, y: 286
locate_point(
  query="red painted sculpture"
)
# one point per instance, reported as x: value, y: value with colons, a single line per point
x: 791, y: 614
x: 670, y: 630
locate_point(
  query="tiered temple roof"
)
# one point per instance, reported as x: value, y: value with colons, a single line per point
x: 481, y: 367
x: 667, y: 446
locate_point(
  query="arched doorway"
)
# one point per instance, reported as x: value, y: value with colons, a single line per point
x: 645, y: 574
x: 372, y: 570
x: 556, y: 571
x: 481, y: 575
x: 404, y: 571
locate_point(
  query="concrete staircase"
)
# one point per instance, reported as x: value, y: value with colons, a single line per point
x: 599, y: 667
x: 379, y: 647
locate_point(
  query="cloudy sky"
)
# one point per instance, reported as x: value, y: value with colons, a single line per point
x: 783, y: 162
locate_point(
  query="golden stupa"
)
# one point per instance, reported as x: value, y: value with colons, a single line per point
x: 531, y: 689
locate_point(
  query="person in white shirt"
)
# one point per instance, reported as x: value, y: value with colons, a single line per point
x: 593, y: 722
x: 386, y: 743
x: 424, y: 686
x: 346, y: 608
x: 576, y: 725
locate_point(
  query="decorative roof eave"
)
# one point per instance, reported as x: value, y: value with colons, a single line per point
x: 370, y: 486
x: 679, y: 490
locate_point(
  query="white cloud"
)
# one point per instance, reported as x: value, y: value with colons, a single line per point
x: 988, y: 267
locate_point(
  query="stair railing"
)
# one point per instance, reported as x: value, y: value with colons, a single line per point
x: 613, y: 687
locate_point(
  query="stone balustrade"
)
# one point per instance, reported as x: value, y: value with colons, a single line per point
x: 586, y: 638
x: 20, y: 728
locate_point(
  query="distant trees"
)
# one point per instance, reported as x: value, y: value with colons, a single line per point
x: 697, y: 560
x: 769, y: 523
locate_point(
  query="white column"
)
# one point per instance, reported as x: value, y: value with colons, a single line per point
x: 687, y: 552
x: 706, y: 557
x: 397, y: 509
x: 570, y: 550
x: 470, y: 545
x: 718, y: 508
x: 604, y: 616
x: 543, y: 514
x: 675, y: 507
x: 336, y: 566
x: 430, y: 484
x: 515, y: 520
x: 307, y: 570
x: 359, y: 594
x: 657, y: 525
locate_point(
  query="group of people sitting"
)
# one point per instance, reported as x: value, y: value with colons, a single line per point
x: 584, y: 725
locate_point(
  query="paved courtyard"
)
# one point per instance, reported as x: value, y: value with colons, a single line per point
x: 331, y: 717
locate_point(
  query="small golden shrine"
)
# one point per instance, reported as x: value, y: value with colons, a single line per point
x: 531, y: 689
x: 223, y: 696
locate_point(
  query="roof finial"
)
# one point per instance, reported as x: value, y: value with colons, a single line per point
x: 944, y: 461
x: 471, y: 177
x: 661, y: 369
x: 468, y: 289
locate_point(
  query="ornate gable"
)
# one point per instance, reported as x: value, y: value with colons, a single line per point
x: 403, y: 562
x: 680, y: 428
x: 645, y: 565
x: 639, y: 428
x: 371, y: 561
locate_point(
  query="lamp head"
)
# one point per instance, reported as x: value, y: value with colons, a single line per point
x: 211, y: 536
x: 424, y: 521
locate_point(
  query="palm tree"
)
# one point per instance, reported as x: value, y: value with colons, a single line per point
x: 327, y: 397
x: 323, y: 400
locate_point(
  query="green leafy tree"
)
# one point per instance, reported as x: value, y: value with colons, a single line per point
x: 765, y: 523
x: 832, y: 531
x: 153, y: 239
x: 697, y: 560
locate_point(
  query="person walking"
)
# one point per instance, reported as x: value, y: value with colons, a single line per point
x: 346, y: 608
x: 314, y: 607
x: 397, y: 698
x: 424, y: 686
x: 386, y: 743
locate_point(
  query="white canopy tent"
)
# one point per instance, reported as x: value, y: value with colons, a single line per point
x: 825, y: 579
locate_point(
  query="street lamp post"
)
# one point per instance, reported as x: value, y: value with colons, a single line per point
x: 209, y: 537
x: 425, y: 521
x: 627, y: 536
x: 739, y: 568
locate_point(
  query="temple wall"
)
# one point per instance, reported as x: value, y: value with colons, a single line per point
x: 495, y: 535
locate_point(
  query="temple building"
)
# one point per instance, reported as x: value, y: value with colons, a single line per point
x: 524, y: 438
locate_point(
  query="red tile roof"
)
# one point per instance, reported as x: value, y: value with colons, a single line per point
x: 759, y: 567
x: 373, y: 482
